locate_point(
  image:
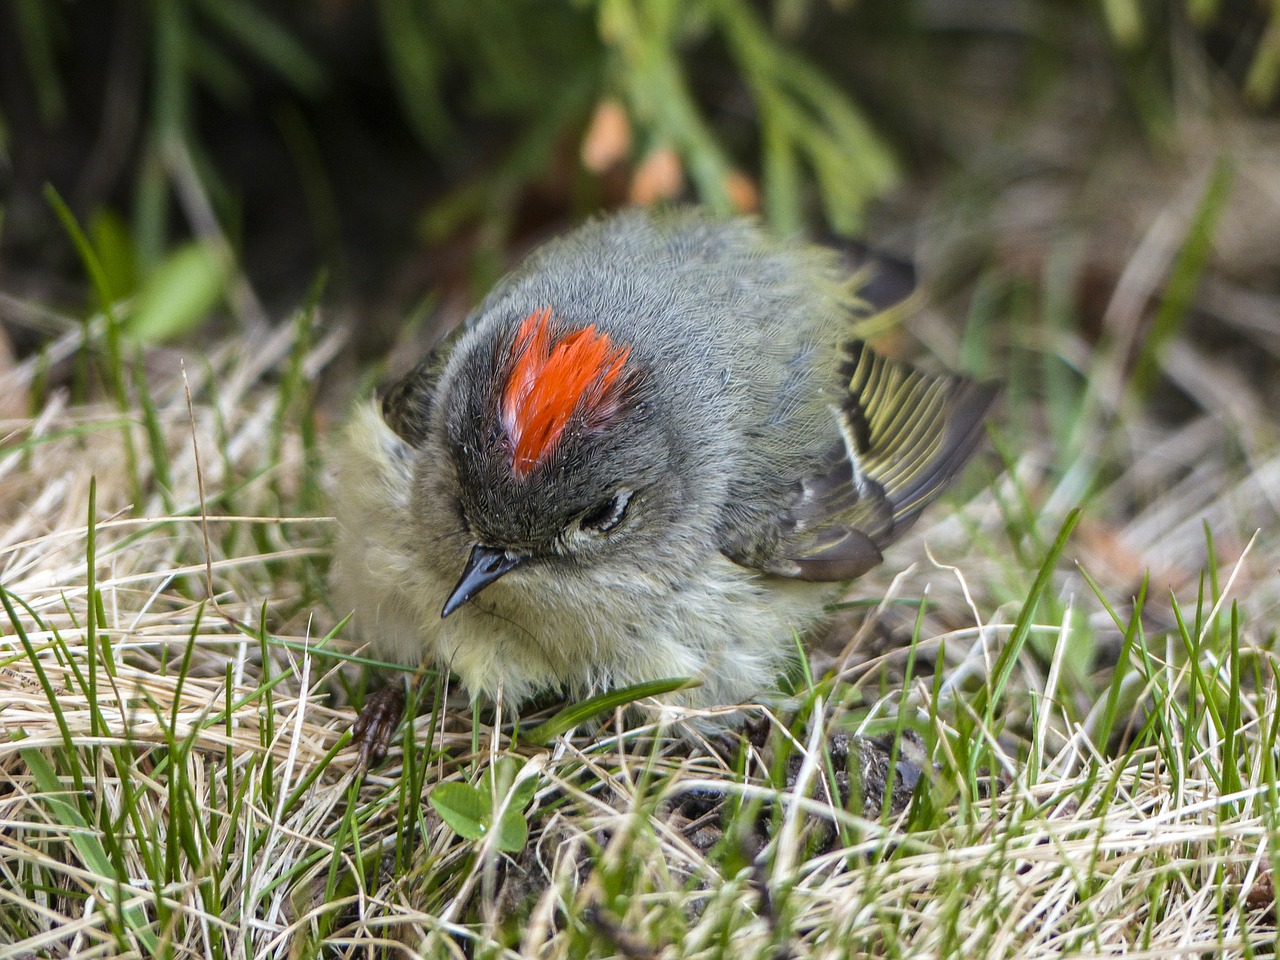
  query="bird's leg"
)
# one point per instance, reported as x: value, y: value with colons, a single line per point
x: 377, y: 722
x: 382, y: 712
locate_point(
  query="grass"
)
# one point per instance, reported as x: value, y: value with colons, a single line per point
x: 1094, y: 689
x: 1075, y: 654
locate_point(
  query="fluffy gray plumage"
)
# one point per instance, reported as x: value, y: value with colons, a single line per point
x: 759, y: 458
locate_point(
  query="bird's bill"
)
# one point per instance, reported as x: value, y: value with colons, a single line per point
x: 485, y: 565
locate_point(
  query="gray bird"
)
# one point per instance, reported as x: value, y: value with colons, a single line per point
x: 655, y: 450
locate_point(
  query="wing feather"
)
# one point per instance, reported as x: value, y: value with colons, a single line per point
x: 906, y: 435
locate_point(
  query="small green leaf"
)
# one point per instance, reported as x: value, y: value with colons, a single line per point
x: 503, y: 772
x: 522, y: 793
x: 577, y: 713
x: 469, y: 810
x: 513, y: 831
x: 109, y: 235
x: 464, y: 808
x: 177, y: 295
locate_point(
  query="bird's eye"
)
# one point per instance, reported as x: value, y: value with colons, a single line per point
x: 606, y: 514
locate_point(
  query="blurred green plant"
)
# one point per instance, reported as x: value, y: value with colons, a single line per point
x: 719, y: 100
x: 1137, y: 24
x: 193, y: 44
x: 187, y: 38
x: 147, y: 286
x: 540, y: 68
x: 556, y: 67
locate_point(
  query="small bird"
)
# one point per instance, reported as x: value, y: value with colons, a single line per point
x: 655, y: 450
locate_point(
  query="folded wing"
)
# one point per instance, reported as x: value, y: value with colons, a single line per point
x: 906, y: 434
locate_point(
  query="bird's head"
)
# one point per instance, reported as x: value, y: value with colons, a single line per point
x: 549, y: 429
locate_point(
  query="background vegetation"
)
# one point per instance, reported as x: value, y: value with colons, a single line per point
x: 223, y: 220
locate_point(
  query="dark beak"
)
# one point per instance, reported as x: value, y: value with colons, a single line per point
x: 485, y: 565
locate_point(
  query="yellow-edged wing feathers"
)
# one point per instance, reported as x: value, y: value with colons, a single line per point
x: 906, y: 434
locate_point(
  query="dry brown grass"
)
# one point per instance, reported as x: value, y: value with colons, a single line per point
x: 176, y: 777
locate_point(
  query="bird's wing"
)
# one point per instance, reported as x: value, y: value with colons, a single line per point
x: 906, y: 434
x: 407, y: 403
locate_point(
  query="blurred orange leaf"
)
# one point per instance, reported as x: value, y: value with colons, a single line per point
x: 608, y: 138
x: 660, y: 176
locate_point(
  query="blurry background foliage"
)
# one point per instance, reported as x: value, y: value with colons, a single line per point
x: 229, y: 149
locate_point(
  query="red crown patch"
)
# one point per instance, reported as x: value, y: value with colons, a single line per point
x: 553, y: 374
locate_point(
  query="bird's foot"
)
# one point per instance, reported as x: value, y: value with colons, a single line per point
x: 383, y: 710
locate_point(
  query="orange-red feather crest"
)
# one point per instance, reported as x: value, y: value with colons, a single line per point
x: 552, y: 375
